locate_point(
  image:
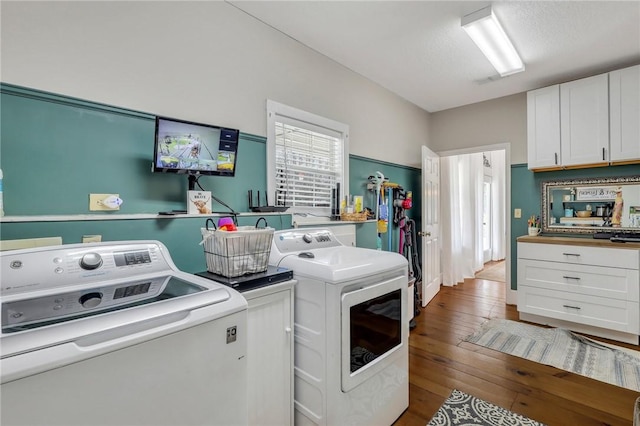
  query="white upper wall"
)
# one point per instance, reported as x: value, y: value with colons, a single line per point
x: 502, y: 120
x: 200, y: 61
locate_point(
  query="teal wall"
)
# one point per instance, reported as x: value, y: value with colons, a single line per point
x: 55, y: 150
x: 526, y: 194
x: 408, y: 178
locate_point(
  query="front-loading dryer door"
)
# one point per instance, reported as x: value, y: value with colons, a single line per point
x: 373, y: 327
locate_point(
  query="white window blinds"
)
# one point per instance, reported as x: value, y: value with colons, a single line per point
x: 308, y: 165
x: 307, y: 156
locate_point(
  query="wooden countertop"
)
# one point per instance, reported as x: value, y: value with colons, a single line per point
x: 577, y: 241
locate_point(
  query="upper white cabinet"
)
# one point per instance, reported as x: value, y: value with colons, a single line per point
x: 624, y: 107
x: 584, y: 121
x: 590, y: 122
x: 543, y: 127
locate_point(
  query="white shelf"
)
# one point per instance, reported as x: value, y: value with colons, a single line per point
x: 119, y: 216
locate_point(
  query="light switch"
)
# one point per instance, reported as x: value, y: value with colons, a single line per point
x: 517, y: 213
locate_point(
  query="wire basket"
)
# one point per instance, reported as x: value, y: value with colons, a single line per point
x: 236, y: 253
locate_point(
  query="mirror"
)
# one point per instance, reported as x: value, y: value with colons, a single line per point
x: 591, y: 205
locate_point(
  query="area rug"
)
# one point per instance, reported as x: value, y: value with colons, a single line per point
x: 461, y: 409
x: 562, y: 349
x: 493, y: 273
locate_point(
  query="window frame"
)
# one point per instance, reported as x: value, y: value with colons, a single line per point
x: 277, y: 112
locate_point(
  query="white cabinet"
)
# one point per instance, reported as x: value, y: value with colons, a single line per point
x: 624, y: 107
x: 595, y: 290
x: 270, y: 354
x: 584, y: 121
x: 590, y: 122
x: 543, y: 127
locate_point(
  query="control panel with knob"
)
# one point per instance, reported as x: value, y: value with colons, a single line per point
x: 90, y: 300
x: 294, y: 240
x: 91, y: 261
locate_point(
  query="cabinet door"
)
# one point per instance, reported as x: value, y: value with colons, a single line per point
x: 624, y: 110
x: 543, y: 127
x: 584, y: 121
x: 270, y: 361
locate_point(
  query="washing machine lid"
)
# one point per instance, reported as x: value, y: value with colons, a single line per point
x: 30, y: 324
x: 343, y: 263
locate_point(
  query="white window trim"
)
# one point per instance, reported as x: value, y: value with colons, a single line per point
x: 290, y: 115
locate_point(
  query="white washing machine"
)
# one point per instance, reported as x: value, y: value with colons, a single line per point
x: 115, y: 334
x: 351, y: 329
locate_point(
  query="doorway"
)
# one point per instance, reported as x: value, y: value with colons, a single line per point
x: 475, y: 193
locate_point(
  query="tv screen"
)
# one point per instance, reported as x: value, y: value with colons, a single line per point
x: 194, y: 148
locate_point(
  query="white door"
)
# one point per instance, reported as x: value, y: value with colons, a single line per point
x: 431, y: 274
x: 584, y: 121
x: 543, y: 127
x: 624, y: 110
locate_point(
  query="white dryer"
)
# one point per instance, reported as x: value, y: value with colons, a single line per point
x: 115, y: 334
x: 351, y: 329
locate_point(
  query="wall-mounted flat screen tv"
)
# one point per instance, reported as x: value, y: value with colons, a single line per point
x: 194, y: 149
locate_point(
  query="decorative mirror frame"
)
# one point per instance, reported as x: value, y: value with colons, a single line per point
x: 548, y: 185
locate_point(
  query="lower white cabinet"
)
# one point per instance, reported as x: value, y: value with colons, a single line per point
x: 270, y: 354
x: 595, y: 290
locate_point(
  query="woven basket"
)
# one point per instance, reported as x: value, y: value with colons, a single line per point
x: 354, y: 217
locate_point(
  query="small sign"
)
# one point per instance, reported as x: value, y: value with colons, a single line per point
x: 198, y: 202
x: 596, y: 193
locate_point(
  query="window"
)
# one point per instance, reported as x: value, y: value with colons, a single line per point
x: 307, y: 156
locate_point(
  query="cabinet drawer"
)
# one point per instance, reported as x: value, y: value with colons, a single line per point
x: 615, y: 283
x: 581, y: 255
x: 595, y: 311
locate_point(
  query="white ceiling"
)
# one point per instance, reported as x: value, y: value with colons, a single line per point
x: 418, y: 50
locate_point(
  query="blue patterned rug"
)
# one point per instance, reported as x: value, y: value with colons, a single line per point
x: 461, y: 409
x: 562, y: 349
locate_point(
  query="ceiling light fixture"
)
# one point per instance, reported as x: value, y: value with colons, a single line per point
x: 485, y: 30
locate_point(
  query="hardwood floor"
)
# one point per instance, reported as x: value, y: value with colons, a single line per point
x: 440, y: 361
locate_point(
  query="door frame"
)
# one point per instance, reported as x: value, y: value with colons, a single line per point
x: 510, y: 294
x: 486, y: 252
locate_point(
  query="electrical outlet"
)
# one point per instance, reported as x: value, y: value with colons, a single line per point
x: 517, y: 213
x: 96, y: 204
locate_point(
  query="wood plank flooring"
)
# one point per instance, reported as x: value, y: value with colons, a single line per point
x: 440, y: 361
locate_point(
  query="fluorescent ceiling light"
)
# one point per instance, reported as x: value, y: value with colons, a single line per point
x: 486, y: 32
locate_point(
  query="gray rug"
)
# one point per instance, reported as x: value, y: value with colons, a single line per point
x: 562, y: 349
x: 461, y: 409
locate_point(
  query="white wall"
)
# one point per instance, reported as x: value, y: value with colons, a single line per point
x: 202, y: 61
x: 502, y: 120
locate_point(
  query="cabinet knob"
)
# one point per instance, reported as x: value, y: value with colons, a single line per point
x: 287, y: 330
